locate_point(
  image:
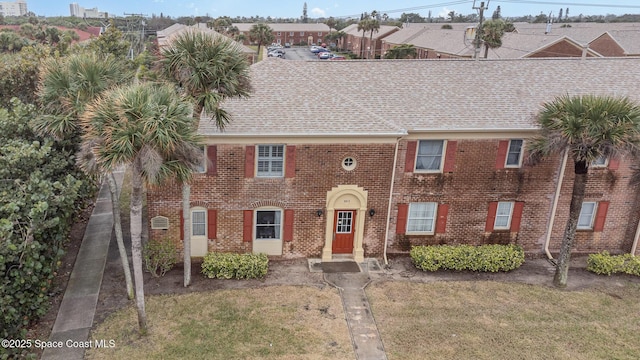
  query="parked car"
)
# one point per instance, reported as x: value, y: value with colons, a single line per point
x: 337, y: 57
x: 324, y: 55
x: 276, y: 53
x: 287, y: 45
x: 318, y: 49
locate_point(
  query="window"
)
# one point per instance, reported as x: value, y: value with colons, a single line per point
x: 421, y: 217
x: 301, y: 33
x: 201, y: 168
x: 503, y: 215
x: 514, y: 154
x: 587, y: 213
x: 291, y: 33
x: 268, y: 224
x: 319, y: 33
x: 349, y: 163
x: 601, y: 161
x: 270, y: 160
x: 198, y: 222
x: 429, y: 156
x: 278, y: 33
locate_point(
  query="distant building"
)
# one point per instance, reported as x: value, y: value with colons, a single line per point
x: 17, y: 8
x: 78, y: 11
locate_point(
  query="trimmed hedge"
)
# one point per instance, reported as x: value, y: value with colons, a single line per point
x: 605, y: 264
x: 235, y: 266
x: 485, y: 258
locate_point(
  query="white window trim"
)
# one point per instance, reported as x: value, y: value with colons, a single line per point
x: 278, y: 33
x: 433, y: 224
x: 600, y: 166
x: 593, y: 216
x: 255, y: 223
x: 206, y: 221
x: 519, y: 156
x: 257, y: 157
x: 508, y: 226
x: 204, y: 160
x: 442, y: 159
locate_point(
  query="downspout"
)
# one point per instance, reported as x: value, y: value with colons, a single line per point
x: 556, y: 199
x: 393, y: 178
x: 635, y: 240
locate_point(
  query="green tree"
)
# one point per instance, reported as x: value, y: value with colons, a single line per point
x: 305, y: 18
x: 492, y: 33
x: 67, y: 86
x: 262, y: 34
x: 111, y: 42
x: 404, y: 51
x: 208, y: 70
x: 496, y: 14
x: 374, y: 25
x: 586, y: 127
x: 364, y: 25
x: 151, y: 128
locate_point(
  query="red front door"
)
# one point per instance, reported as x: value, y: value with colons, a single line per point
x: 343, y: 228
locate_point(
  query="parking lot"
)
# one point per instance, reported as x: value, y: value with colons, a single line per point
x: 299, y: 53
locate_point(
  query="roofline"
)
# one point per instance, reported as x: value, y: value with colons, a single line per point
x: 305, y: 135
x: 480, y: 130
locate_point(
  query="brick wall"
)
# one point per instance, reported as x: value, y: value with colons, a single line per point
x: 317, y: 170
x: 606, y: 46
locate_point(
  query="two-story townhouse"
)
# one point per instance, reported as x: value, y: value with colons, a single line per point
x: 365, y: 44
x: 290, y: 33
x: 406, y: 153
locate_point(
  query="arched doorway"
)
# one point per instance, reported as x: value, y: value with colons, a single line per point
x: 344, y: 232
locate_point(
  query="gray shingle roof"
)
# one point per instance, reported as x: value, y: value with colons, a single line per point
x: 167, y: 35
x: 295, y: 27
x: 388, y: 96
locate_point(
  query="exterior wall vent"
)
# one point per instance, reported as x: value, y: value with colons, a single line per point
x: 160, y: 223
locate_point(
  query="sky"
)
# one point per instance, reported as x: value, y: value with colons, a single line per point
x: 334, y: 8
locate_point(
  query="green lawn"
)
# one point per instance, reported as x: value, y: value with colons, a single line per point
x: 489, y: 320
x: 282, y: 322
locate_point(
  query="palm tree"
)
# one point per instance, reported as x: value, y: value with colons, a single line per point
x: 588, y: 127
x: 207, y: 70
x: 404, y: 51
x: 374, y: 25
x: 67, y: 86
x: 262, y: 34
x: 151, y: 128
x: 492, y: 32
x: 364, y: 25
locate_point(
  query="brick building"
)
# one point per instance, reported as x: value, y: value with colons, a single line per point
x: 400, y: 153
x: 291, y: 33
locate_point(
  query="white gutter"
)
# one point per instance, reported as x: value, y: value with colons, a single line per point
x: 556, y: 198
x: 393, y: 177
x: 635, y: 240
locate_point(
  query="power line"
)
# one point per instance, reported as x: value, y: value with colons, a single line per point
x: 564, y: 3
x: 432, y: 6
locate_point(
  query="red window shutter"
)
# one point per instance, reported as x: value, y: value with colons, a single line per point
x: 503, y: 148
x: 401, y: 224
x: 450, y: 156
x: 409, y: 161
x: 181, y: 226
x: 212, y: 160
x: 288, y: 225
x: 212, y: 223
x: 516, y: 217
x: 249, y: 161
x: 614, y: 163
x: 247, y: 226
x: 290, y: 166
x: 491, y: 216
x: 441, y: 222
x: 601, y: 216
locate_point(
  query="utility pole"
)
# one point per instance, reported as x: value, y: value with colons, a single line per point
x: 478, y: 40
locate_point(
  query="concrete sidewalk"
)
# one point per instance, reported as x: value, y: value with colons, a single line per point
x: 75, y: 316
x: 365, y: 337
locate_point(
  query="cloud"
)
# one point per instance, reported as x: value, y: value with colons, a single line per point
x: 444, y: 13
x: 318, y: 12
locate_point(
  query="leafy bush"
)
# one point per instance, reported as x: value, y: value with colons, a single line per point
x: 235, y: 266
x: 159, y: 256
x: 486, y: 258
x: 605, y: 264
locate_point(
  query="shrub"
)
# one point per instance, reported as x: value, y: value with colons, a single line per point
x: 605, y: 264
x: 235, y: 266
x: 486, y: 258
x: 159, y: 256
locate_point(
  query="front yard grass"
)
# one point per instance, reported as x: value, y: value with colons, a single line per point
x: 489, y: 320
x: 280, y: 322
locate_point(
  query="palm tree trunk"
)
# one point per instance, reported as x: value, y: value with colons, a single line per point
x: 577, y: 196
x: 136, y: 241
x: 372, y: 50
x: 486, y: 50
x: 117, y: 225
x: 186, y: 216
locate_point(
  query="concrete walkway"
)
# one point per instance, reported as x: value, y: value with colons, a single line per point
x: 365, y: 338
x: 75, y: 316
